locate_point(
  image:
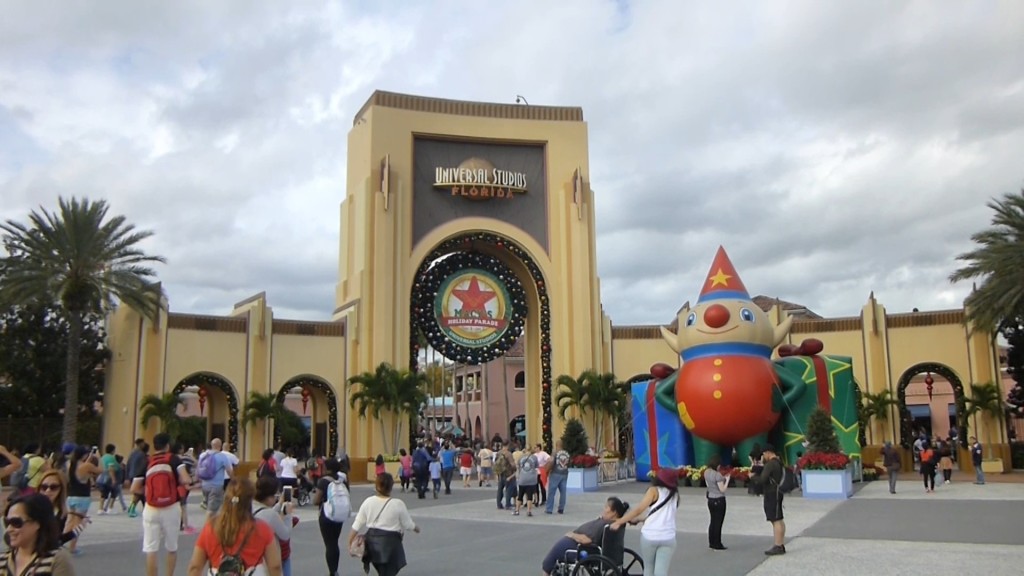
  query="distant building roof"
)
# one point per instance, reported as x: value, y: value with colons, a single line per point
x: 798, y: 310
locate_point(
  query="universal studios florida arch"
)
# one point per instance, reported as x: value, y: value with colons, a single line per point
x: 471, y: 224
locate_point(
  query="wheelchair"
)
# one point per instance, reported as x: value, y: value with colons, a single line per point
x: 610, y: 557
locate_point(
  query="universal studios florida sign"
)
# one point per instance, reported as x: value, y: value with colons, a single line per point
x: 478, y: 179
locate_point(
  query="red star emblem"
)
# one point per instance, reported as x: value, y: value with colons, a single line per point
x: 474, y: 299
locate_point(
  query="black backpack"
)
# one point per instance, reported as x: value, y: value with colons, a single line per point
x: 788, y: 482
x: 232, y: 564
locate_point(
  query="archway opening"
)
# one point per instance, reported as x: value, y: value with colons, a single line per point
x: 535, y: 320
x: 316, y: 404
x: 931, y: 400
x: 216, y: 401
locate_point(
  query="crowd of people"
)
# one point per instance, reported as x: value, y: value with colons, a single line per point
x: 249, y: 524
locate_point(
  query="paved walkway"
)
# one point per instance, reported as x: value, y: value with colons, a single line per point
x: 961, y: 528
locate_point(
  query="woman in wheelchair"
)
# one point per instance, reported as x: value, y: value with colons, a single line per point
x: 588, y: 533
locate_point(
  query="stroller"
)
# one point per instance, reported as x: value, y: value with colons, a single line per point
x: 304, y: 489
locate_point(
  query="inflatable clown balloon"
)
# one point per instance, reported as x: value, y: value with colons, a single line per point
x: 727, y: 393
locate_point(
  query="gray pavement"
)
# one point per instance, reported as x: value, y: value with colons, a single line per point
x: 960, y: 529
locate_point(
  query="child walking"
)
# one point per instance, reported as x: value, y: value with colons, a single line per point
x: 435, y: 475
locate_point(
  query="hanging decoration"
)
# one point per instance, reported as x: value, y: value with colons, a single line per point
x: 305, y: 399
x: 205, y: 381
x: 928, y: 382
x: 422, y: 304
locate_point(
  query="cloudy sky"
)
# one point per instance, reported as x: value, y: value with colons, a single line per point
x: 833, y: 148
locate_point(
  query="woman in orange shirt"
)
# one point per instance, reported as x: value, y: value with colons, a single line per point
x: 234, y: 532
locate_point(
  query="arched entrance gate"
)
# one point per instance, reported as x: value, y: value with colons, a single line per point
x: 492, y: 255
x: 907, y: 420
x: 206, y: 382
x: 309, y: 385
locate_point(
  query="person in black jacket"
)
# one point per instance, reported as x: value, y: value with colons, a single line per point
x: 769, y: 481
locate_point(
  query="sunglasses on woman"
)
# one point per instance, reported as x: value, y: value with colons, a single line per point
x: 48, y: 487
x: 15, y: 522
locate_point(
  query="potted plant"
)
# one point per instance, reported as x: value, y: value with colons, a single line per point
x: 825, y: 469
x: 582, y: 466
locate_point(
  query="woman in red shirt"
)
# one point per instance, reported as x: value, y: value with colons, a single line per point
x: 233, y: 531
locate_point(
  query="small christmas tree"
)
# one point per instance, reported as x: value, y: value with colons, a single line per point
x: 822, y: 444
x: 821, y: 437
x: 574, y: 439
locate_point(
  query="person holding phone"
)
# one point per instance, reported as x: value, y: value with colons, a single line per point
x: 278, y: 513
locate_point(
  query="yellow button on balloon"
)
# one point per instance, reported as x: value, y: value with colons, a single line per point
x: 717, y: 394
x: 717, y: 377
x: 718, y: 361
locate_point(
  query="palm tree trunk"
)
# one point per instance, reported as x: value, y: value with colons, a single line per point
x: 70, y: 427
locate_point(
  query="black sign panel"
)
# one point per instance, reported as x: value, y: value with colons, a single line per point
x: 453, y: 180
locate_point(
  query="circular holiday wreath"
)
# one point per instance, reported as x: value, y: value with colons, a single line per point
x: 455, y: 281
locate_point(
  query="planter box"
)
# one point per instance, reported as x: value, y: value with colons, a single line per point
x: 827, y: 484
x: 581, y: 480
x: 389, y: 467
x: 992, y: 466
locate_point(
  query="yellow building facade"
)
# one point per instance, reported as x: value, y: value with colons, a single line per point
x: 429, y: 180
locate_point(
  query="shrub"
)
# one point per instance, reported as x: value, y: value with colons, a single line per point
x: 574, y: 439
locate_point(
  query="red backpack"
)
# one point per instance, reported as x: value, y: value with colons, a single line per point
x: 161, y: 482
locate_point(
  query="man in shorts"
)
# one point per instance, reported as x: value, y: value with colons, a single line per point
x: 213, y: 488
x: 160, y: 524
x: 527, y: 480
x: 486, y: 459
x: 770, y: 479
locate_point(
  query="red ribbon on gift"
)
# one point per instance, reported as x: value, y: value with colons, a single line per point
x: 811, y: 347
x: 652, y: 424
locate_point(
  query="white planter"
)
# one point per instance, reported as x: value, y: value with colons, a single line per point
x: 827, y: 484
x: 581, y: 480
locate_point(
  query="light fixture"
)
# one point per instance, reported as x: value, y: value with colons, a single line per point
x: 521, y: 100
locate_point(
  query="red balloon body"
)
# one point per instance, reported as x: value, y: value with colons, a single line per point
x: 728, y: 398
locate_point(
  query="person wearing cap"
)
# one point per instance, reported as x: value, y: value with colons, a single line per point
x: 770, y: 478
x: 658, y: 534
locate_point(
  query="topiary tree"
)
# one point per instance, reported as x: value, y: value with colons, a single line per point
x: 574, y: 439
x: 821, y: 437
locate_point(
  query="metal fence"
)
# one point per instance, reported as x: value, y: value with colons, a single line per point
x: 15, y: 433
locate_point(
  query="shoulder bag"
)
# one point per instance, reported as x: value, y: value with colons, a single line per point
x: 357, y: 547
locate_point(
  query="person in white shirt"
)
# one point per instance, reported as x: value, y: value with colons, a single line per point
x: 232, y: 463
x: 289, y: 474
x: 658, y: 535
x: 382, y: 521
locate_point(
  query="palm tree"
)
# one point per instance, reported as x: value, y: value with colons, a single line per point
x: 82, y: 260
x: 572, y: 393
x: 288, y: 427
x: 410, y: 398
x: 388, y: 389
x: 985, y: 399
x: 877, y: 405
x: 604, y: 395
x: 163, y: 408
x: 999, y: 262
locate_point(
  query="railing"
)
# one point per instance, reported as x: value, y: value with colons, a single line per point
x: 15, y: 433
x: 613, y: 469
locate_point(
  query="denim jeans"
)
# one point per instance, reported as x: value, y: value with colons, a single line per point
x: 979, y: 474
x: 556, y: 481
x: 446, y: 475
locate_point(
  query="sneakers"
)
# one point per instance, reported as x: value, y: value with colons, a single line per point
x: 775, y: 551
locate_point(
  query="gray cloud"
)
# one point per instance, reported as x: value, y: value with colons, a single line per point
x: 834, y: 150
